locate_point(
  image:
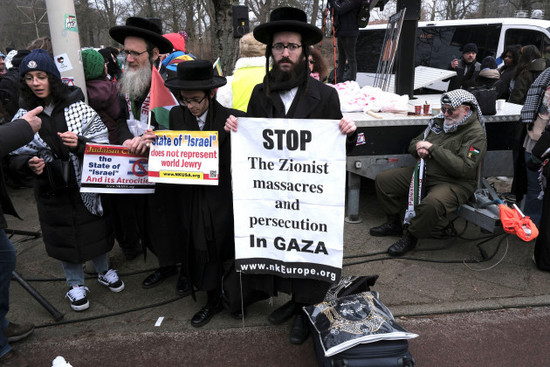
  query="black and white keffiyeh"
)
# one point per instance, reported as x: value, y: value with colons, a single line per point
x: 534, y: 97
x: 82, y: 120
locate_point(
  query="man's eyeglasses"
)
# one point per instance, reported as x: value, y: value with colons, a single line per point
x: 134, y: 54
x: 192, y: 101
x: 448, y: 110
x: 280, y: 47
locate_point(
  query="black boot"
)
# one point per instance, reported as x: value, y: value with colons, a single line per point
x: 213, y: 306
x: 404, y: 245
x: 300, y: 329
x: 282, y: 313
x: 392, y: 227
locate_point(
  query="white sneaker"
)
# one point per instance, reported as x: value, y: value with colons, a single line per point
x: 110, y: 279
x: 77, y: 297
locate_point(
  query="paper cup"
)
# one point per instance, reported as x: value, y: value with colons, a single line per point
x: 500, y: 104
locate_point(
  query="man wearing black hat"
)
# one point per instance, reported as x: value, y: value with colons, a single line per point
x: 134, y: 214
x: 466, y: 68
x: 201, y: 216
x: 289, y: 92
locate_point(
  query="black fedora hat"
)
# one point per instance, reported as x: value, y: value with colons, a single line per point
x: 148, y: 29
x: 195, y: 75
x: 287, y: 19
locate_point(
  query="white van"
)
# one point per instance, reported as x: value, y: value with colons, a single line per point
x: 438, y: 42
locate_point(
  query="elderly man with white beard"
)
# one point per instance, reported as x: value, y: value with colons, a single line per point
x: 143, y: 44
x: 449, y: 152
x: 137, y: 219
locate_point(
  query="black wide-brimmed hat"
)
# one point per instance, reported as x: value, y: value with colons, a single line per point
x: 195, y: 75
x: 148, y: 29
x: 287, y: 19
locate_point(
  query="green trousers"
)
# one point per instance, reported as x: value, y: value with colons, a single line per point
x: 439, y: 200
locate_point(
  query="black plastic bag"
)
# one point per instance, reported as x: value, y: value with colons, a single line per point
x: 347, y: 321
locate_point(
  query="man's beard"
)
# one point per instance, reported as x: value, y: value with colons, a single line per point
x: 136, y: 82
x: 278, y: 75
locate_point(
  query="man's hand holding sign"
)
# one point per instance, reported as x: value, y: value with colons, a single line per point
x: 289, y: 191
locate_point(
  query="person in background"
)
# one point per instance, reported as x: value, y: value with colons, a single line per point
x: 525, y: 183
x: 529, y: 67
x: 541, y: 152
x: 3, y: 69
x: 488, y: 74
x: 249, y: 71
x: 537, y: 104
x: 12, y: 136
x: 72, y: 223
x: 289, y: 92
x: 317, y: 65
x: 170, y: 61
x: 114, y: 72
x: 347, y: 31
x: 102, y: 93
x: 510, y: 57
x: 9, y: 85
x: 44, y: 43
x: 466, y: 68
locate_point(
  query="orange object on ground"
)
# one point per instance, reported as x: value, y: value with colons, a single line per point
x: 514, y: 222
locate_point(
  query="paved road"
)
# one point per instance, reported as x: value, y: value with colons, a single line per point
x: 467, y: 313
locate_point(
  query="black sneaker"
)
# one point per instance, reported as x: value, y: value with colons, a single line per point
x: 111, y: 280
x: 77, y: 297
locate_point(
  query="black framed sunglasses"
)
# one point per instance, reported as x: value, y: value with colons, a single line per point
x: 448, y: 110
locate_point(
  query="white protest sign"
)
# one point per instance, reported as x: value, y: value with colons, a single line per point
x: 184, y: 157
x: 113, y: 169
x: 289, y: 197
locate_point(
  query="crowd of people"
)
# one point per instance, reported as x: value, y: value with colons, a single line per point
x: 522, y: 65
x: 190, y: 228
x: 54, y: 124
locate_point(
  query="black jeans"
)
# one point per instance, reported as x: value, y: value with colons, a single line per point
x: 346, y: 51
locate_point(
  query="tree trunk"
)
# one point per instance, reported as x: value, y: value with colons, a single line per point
x: 224, y: 45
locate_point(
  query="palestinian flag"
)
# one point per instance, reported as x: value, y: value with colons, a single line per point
x: 161, y: 99
x: 473, y: 151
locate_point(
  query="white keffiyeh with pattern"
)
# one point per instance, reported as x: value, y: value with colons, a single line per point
x: 82, y: 120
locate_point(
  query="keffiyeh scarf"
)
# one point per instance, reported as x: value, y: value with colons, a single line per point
x: 83, y: 121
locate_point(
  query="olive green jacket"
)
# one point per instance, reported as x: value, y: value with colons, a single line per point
x: 454, y: 157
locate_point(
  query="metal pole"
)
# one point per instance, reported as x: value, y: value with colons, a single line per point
x: 65, y: 42
x: 57, y: 316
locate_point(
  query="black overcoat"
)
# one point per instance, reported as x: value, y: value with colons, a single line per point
x: 314, y: 101
x: 201, y: 216
x: 70, y: 232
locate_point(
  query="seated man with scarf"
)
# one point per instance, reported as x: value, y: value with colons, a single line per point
x: 449, y: 152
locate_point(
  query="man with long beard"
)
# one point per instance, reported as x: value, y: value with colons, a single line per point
x: 289, y: 92
x: 136, y: 217
x: 452, y: 147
